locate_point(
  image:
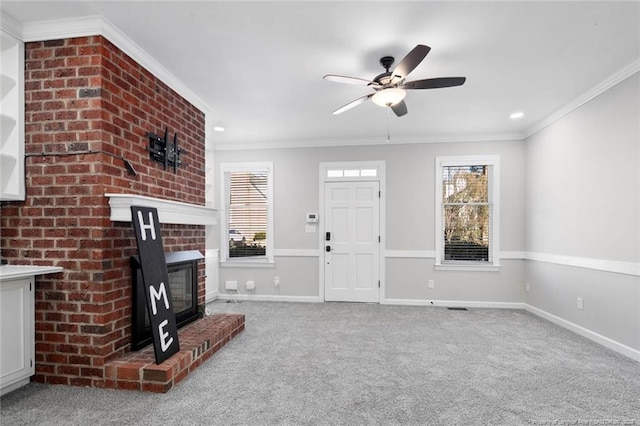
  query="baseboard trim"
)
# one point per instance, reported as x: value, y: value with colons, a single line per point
x: 10, y: 388
x: 268, y: 298
x: 210, y: 297
x: 591, y: 335
x: 453, y: 303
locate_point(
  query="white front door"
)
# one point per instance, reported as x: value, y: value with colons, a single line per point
x: 352, y: 246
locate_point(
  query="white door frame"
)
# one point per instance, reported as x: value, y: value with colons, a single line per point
x: 379, y: 167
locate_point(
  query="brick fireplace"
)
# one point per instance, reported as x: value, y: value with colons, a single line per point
x: 87, y: 106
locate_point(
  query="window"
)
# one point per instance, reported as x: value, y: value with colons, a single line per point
x: 351, y: 173
x: 467, y: 206
x: 247, y: 231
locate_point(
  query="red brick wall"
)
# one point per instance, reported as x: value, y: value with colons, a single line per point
x: 83, y: 313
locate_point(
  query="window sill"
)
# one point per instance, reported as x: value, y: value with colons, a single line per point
x: 262, y: 263
x: 467, y: 267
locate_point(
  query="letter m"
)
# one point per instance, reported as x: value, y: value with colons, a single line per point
x: 157, y: 295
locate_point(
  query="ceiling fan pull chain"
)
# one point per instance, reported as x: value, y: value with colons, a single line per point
x: 388, y: 133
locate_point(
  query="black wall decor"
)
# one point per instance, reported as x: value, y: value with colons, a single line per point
x: 155, y: 277
x: 164, y: 151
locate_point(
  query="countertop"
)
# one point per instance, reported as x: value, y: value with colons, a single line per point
x: 9, y: 272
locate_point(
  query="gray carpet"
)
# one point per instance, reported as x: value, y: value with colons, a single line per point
x: 360, y: 364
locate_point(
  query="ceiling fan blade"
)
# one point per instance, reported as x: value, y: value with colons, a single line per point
x: 400, y: 108
x: 348, y: 80
x: 352, y: 104
x: 434, y: 83
x: 411, y: 61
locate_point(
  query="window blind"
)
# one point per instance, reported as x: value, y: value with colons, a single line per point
x: 247, y: 208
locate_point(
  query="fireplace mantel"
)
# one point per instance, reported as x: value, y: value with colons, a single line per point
x: 168, y: 211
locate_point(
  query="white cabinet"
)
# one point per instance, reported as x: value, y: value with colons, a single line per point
x: 17, y: 347
x: 17, y: 323
x: 11, y: 117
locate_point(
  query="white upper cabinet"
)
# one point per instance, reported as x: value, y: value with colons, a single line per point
x: 12, y: 118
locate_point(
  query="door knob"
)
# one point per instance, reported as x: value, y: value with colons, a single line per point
x: 327, y: 248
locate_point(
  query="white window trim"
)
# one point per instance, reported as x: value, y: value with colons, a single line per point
x: 494, y: 198
x: 262, y: 262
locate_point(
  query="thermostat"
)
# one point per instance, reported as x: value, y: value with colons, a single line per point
x: 312, y: 217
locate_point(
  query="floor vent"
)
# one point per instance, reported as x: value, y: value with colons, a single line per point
x: 457, y: 309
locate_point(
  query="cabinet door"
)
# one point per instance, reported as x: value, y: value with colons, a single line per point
x: 16, y: 331
x: 11, y: 117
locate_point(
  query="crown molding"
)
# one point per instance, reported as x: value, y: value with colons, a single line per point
x: 597, y: 90
x: 381, y: 141
x: 63, y: 28
x: 99, y: 25
x: 10, y: 25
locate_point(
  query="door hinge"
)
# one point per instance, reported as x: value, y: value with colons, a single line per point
x: 30, y: 283
x: 30, y: 363
x: 379, y: 194
x: 379, y: 238
x: 378, y: 283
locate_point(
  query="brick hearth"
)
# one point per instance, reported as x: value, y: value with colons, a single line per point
x: 198, y: 341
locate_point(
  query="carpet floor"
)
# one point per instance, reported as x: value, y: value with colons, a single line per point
x: 367, y: 364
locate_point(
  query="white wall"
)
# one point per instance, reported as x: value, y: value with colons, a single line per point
x: 583, y: 217
x: 570, y: 203
x: 409, y: 222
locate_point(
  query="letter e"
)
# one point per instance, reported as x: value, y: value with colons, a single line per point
x: 164, y: 343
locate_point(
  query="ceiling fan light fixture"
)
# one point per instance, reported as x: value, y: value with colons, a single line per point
x: 388, y: 97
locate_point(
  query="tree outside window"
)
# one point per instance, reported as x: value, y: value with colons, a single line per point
x: 465, y: 203
x: 467, y: 208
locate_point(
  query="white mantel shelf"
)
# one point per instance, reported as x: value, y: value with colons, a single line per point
x: 168, y: 211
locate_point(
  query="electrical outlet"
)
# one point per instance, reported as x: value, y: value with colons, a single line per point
x: 579, y: 303
x: 431, y: 284
x: 527, y: 287
x: 276, y: 281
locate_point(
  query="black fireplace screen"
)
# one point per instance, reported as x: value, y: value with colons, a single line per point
x: 183, y: 282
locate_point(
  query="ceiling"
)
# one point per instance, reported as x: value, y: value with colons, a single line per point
x: 258, y: 66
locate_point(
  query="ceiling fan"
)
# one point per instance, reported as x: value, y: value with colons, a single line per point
x: 390, y: 87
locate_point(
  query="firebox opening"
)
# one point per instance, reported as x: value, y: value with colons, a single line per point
x: 183, y: 283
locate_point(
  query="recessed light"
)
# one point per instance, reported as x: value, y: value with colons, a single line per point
x: 218, y: 129
x: 516, y: 115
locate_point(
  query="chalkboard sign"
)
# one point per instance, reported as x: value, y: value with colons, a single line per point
x: 155, y: 278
